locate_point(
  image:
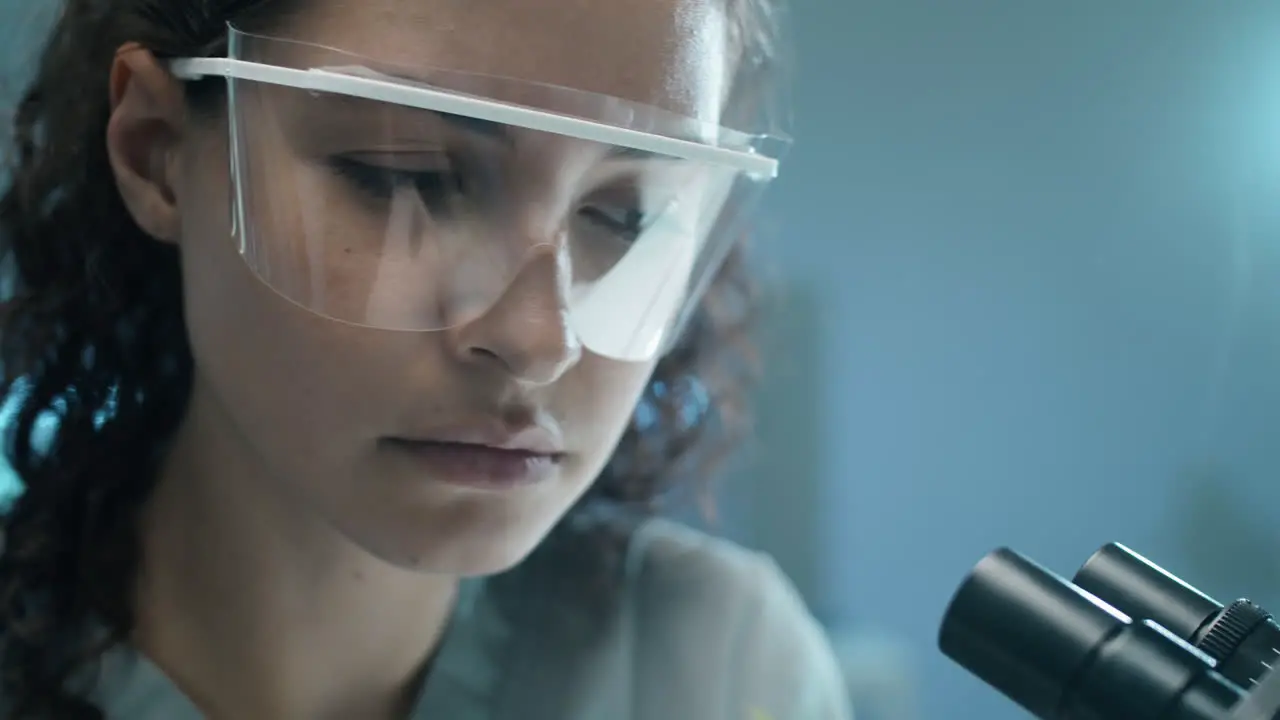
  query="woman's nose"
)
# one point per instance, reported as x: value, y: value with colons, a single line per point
x: 526, y: 332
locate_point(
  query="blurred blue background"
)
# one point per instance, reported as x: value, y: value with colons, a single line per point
x: 1028, y: 257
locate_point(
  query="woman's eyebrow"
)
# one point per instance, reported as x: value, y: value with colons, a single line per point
x: 351, y: 107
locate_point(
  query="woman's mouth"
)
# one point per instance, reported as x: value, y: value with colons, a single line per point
x: 475, y: 465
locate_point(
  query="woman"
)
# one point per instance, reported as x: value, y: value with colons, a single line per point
x: 372, y: 331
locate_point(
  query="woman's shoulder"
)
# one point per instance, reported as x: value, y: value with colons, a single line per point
x: 684, y: 571
x: 705, y: 609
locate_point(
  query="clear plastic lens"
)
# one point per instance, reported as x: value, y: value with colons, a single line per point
x: 421, y: 204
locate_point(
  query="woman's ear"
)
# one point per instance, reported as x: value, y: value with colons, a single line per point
x: 143, y: 135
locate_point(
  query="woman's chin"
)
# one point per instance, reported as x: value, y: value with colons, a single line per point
x: 473, y: 547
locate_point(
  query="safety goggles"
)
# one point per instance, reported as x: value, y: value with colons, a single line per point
x: 418, y: 199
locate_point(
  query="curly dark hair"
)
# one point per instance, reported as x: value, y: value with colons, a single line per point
x: 93, y: 339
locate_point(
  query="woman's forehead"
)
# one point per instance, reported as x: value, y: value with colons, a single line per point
x: 671, y: 54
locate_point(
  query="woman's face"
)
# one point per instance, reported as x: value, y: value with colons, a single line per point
x: 358, y: 425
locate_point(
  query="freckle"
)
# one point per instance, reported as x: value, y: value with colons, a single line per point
x: 357, y: 575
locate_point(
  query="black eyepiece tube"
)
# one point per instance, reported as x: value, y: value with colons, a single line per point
x: 1242, y: 638
x: 1063, y: 654
x: 1139, y: 588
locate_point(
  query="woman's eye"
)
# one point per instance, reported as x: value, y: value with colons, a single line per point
x: 626, y: 222
x: 381, y: 182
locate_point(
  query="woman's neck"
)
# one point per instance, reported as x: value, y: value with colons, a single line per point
x: 257, y: 608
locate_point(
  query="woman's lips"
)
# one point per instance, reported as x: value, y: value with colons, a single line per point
x: 476, y: 466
